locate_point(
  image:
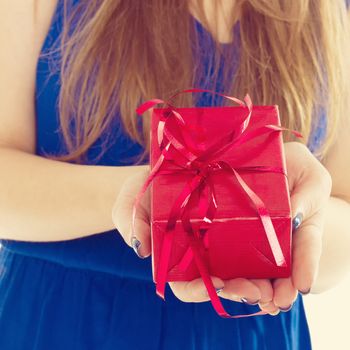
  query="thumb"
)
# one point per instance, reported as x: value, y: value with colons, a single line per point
x: 140, y: 234
x: 310, y: 185
x: 308, y: 180
x: 307, y: 241
x: 137, y: 232
x: 309, y: 194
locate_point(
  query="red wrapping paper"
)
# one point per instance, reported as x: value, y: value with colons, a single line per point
x: 235, y: 243
x: 238, y: 245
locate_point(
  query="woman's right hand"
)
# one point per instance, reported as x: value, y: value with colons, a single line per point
x: 123, y: 209
x: 187, y: 291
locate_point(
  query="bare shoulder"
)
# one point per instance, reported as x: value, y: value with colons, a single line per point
x: 337, y: 159
x: 23, y: 27
x: 337, y: 162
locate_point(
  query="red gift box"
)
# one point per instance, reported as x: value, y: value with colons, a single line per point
x: 219, y: 194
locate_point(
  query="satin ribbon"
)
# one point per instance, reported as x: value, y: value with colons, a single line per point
x: 172, y: 131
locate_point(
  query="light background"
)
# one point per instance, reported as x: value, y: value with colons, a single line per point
x: 328, y: 316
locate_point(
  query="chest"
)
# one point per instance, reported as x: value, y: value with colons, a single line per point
x: 217, y: 17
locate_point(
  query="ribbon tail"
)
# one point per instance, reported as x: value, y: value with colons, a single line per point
x: 215, y: 151
x: 164, y: 264
x: 175, y: 213
x: 178, y: 145
x: 265, y: 220
x: 186, y: 260
x: 181, y: 201
x: 148, y: 181
x: 281, y: 128
x: 215, y: 300
x: 207, y: 208
x: 148, y: 105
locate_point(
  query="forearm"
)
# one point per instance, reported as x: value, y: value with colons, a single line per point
x: 47, y: 200
x: 335, y: 259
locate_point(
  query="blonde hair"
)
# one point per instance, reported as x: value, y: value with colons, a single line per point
x: 115, y: 54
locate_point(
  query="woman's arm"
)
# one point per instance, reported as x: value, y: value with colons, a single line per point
x: 321, y: 244
x: 46, y: 200
x: 335, y: 258
x: 41, y: 199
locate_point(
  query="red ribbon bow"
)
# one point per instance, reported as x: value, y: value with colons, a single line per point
x: 173, y: 132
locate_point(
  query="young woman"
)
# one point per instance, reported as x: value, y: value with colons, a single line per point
x: 74, y: 155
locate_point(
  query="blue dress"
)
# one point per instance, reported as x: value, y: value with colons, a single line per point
x: 95, y: 293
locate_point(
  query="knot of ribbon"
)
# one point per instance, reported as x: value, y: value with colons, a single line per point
x: 178, y: 148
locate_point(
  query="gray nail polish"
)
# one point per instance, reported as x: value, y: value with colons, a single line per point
x: 135, y: 243
x: 285, y: 309
x: 218, y: 290
x: 297, y: 220
x: 246, y: 301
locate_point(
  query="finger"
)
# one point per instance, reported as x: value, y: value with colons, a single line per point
x: 238, y: 288
x: 306, y: 252
x: 266, y: 289
x: 195, y: 290
x: 284, y: 293
x: 266, y: 301
x: 270, y: 308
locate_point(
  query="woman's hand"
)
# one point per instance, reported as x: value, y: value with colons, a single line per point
x: 192, y: 291
x: 123, y: 209
x: 310, y: 186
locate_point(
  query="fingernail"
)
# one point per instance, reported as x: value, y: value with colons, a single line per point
x: 285, y: 309
x: 135, y: 243
x: 275, y: 313
x: 250, y: 302
x: 262, y: 305
x: 218, y: 290
x: 297, y: 221
x: 304, y: 292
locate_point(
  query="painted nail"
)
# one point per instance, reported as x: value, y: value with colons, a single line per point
x: 218, y: 290
x: 249, y: 302
x: 135, y: 243
x: 304, y: 293
x: 297, y: 220
x: 285, y: 309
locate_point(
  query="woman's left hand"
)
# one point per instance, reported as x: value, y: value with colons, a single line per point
x: 310, y: 187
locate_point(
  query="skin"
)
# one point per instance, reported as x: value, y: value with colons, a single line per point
x: 323, y: 206
x: 310, y: 185
x: 61, y: 201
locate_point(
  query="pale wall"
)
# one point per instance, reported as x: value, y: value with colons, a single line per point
x: 329, y: 318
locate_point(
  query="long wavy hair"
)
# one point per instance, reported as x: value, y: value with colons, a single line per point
x: 116, y: 53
